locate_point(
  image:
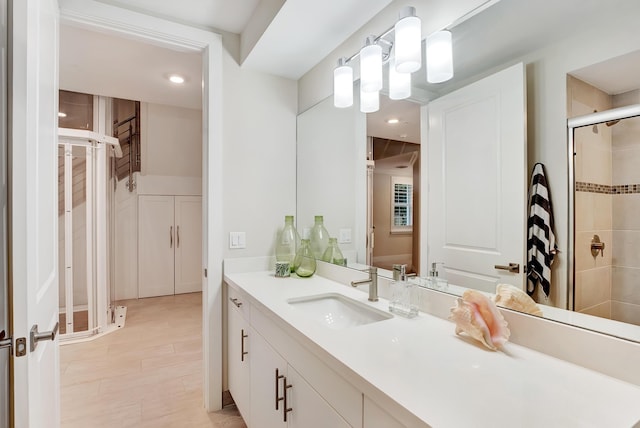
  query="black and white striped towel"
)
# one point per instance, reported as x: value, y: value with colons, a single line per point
x: 541, y: 241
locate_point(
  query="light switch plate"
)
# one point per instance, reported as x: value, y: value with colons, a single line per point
x: 344, y: 236
x: 237, y: 240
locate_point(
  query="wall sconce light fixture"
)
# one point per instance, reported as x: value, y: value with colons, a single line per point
x: 404, y: 55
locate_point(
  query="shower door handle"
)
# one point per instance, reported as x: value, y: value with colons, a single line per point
x: 170, y: 236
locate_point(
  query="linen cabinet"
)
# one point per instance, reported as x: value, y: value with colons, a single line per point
x: 169, y: 245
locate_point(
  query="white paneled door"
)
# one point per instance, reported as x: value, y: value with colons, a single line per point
x: 33, y: 210
x: 476, y: 167
x: 156, y: 242
x: 188, y: 255
x: 169, y: 245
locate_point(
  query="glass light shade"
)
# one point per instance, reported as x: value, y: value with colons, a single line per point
x: 399, y: 83
x: 408, y: 41
x: 369, y: 101
x: 371, y: 67
x: 343, y: 86
x: 439, y: 57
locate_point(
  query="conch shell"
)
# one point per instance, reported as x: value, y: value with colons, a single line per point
x: 476, y: 315
x: 511, y: 297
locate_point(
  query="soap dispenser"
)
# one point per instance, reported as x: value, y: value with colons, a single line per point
x: 405, y: 297
x: 435, y: 281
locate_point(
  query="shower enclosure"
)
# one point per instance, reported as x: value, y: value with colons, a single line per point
x: 85, y: 189
x: 604, y: 153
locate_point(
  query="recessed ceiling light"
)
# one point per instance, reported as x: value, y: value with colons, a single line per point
x: 174, y: 78
x: 403, y: 135
x: 392, y: 121
x: 61, y: 114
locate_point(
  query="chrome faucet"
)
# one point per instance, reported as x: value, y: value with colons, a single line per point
x: 372, y: 281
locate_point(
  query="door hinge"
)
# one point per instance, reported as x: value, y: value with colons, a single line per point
x: 205, y: 272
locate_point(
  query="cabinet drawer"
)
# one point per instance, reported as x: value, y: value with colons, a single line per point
x: 338, y: 393
x: 238, y: 302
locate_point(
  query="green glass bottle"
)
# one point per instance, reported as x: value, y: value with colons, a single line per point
x: 333, y: 254
x: 319, y: 237
x: 304, y: 263
x: 288, y: 242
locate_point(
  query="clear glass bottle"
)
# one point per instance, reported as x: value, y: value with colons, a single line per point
x: 288, y: 242
x: 405, y: 296
x: 304, y: 263
x: 319, y: 237
x: 333, y: 254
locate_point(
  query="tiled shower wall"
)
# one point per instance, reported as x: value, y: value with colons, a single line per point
x: 625, y: 289
x: 607, y: 203
x: 593, y: 205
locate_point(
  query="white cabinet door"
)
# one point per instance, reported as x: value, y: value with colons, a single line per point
x: 376, y: 417
x: 155, y: 246
x: 268, y: 371
x: 476, y: 163
x: 308, y: 408
x: 239, y: 358
x: 188, y: 255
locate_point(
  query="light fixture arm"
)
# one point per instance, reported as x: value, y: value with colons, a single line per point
x: 375, y: 40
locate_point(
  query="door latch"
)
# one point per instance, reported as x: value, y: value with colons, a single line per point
x: 5, y: 342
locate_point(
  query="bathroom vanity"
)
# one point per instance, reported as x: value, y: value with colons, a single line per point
x: 290, y: 365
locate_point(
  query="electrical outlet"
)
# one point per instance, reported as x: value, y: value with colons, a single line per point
x: 237, y: 240
x: 344, y: 236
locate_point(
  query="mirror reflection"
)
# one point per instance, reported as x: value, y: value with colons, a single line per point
x: 346, y: 140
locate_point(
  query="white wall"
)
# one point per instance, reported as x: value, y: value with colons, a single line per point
x: 327, y: 182
x: 259, y: 174
x: 171, y: 140
x: 608, y: 35
x: 171, y: 144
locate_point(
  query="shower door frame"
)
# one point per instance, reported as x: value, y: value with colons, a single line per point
x: 94, y: 157
x: 573, y: 123
x: 98, y: 304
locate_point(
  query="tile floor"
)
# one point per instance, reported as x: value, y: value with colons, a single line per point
x: 149, y: 374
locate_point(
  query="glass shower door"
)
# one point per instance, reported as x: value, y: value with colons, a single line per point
x: 76, y: 237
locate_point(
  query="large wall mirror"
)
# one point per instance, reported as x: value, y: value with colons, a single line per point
x: 345, y: 157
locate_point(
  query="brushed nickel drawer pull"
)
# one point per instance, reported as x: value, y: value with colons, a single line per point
x: 235, y: 302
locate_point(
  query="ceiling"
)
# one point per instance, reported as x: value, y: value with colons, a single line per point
x: 297, y: 37
x: 302, y: 33
x: 101, y: 64
x: 225, y: 15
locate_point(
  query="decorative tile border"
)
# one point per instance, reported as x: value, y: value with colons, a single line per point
x: 607, y: 189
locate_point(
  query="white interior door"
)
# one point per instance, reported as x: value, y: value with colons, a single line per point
x: 34, y: 204
x: 156, y: 242
x: 188, y: 256
x: 476, y: 176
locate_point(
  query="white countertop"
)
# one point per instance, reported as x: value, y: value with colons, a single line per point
x: 443, y: 379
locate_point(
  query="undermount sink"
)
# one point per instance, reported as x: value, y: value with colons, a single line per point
x: 337, y: 311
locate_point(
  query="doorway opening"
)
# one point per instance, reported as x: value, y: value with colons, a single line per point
x: 393, y: 184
